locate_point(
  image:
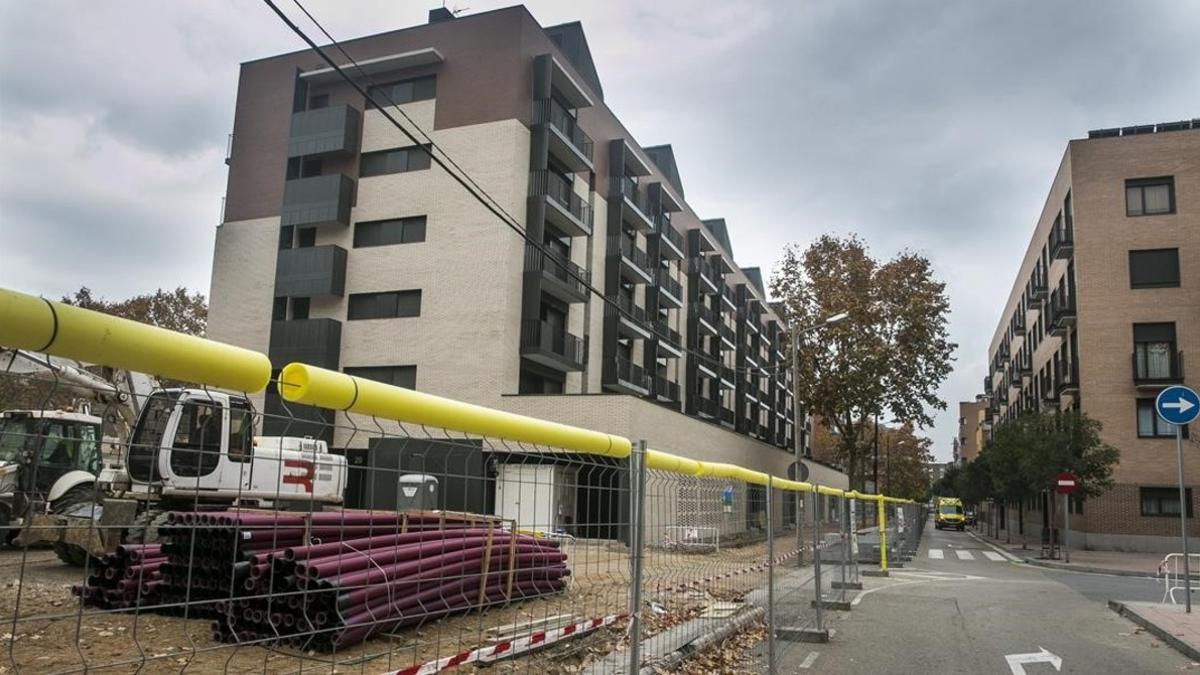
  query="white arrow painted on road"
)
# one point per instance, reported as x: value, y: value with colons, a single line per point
x: 1182, y: 405
x: 1016, y: 662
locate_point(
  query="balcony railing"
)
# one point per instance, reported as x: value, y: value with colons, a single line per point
x: 310, y: 271
x: 1062, y: 240
x: 666, y: 389
x: 631, y: 311
x: 706, y: 314
x: 1038, y: 290
x: 670, y: 234
x: 571, y: 278
x: 628, y: 189
x: 558, y: 190
x: 317, y: 200
x: 668, y: 283
x: 329, y: 131
x: 1157, y: 369
x: 665, y: 333
x: 707, y: 407
x: 1066, y: 378
x: 727, y: 417
x: 728, y: 374
x: 540, y: 336
x: 631, y: 373
x: 706, y: 271
x: 549, y: 111
x: 314, y: 341
x: 1062, y: 311
x: 639, y: 258
x: 726, y: 333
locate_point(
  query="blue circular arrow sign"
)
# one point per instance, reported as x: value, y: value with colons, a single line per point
x: 1177, y: 405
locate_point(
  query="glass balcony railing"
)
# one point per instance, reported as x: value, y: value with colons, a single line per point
x: 549, y: 111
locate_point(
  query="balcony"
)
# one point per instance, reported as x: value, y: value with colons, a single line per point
x: 565, y: 208
x: 727, y: 335
x: 670, y: 241
x: 1050, y: 394
x: 670, y: 291
x: 708, y: 275
x: 1062, y: 312
x: 1066, y: 379
x: 552, y: 346
x: 728, y: 419
x: 728, y: 298
x: 635, y: 263
x: 1038, y: 290
x: 668, y: 338
x: 634, y: 205
x: 706, y: 408
x: 631, y: 318
x: 316, y: 342
x: 568, y: 143
x: 1157, y: 370
x: 1014, y: 377
x: 1062, y: 241
x: 1018, y: 324
x: 627, y: 377
x: 728, y: 377
x: 311, y: 272
x: 560, y: 277
x: 762, y: 432
x: 324, y: 132
x: 317, y: 200
x: 665, y: 390
x: 707, y: 319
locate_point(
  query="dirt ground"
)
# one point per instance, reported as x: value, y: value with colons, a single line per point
x: 52, y: 633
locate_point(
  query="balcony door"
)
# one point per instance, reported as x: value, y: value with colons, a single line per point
x: 1154, y: 349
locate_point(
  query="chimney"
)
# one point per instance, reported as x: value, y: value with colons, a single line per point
x: 440, y: 14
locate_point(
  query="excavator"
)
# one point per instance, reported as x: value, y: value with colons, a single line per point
x: 86, y: 483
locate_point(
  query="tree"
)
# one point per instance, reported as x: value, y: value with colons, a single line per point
x: 177, y: 310
x: 888, y: 356
x: 974, y: 483
x: 947, y: 485
x: 904, y: 462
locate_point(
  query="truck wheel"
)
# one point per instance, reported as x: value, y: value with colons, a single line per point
x: 70, y: 501
x: 145, y: 527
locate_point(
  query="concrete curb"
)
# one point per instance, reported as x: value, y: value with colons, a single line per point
x: 1064, y: 567
x: 1158, y: 631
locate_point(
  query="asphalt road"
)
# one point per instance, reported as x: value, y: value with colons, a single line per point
x: 961, y: 607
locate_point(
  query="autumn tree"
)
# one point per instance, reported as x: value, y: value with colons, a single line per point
x: 178, y: 310
x: 887, y: 358
x: 904, y: 462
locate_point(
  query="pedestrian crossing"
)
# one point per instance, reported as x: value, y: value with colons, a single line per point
x: 966, y: 555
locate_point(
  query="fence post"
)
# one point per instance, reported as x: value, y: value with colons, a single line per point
x: 637, y: 502
x: 770, y: 578
x: 817, y: 556
x: 882, y: 518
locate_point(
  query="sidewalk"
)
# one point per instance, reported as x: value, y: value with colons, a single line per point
x: 1168, y: 623
x: 1120, y: 563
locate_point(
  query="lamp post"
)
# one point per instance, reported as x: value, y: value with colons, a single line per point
x: 797, y: 331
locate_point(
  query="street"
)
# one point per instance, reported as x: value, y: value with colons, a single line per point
x: 961, y: 607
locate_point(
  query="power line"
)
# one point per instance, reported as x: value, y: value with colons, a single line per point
x: 464, y: 180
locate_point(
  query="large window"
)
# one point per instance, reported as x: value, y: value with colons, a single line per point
x: 1154, y: 350
x: 1154, y: 268
x: 1149, y: 425
x: 400, y: 376
x: 1163, y: 501
x: 397, y: 160
x: 1150, y: 196
x: 390, y: 305
x: 387, y: 232
x: 404, y: 91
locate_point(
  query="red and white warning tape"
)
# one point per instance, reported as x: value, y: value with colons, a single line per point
x: 511, y: 647
x: 736, y: 573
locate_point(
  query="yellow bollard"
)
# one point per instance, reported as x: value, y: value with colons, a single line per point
x: 879, y: 511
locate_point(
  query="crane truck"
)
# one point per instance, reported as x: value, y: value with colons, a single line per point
x: 162, y: 449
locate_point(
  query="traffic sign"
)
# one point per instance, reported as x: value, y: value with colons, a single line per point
x: 1065, y: 483
x: 1177, y: 405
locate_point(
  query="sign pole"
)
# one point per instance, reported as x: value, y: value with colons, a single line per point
x: 1067, y: 528
x: 1187, y: 572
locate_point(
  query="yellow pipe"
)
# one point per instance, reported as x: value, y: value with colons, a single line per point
x: 832, y: 492
x: 879, y: 513
x: 310, y: 385
x: 28, y: 322
x: 665, y: 461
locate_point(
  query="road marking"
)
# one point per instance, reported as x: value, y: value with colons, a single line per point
x: 1016, y: 662
x: 964, y: 555
x: 937, y: 554
x: 993, y: 556
x: 809, y: 660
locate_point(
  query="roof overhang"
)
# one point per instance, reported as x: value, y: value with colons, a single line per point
x: 381, y: 64
x: 669, y: 203
x: 635, y: 164
x: 707, y: 243
x: 728, y: 265
x: 567, y: 87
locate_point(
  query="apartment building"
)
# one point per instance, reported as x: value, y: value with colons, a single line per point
x: 971, y: 427
x: 1103, y: 310
x: 342, y: 245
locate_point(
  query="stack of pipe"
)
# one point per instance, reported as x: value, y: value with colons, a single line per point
x: 126, y: 578
x: 326, y: 580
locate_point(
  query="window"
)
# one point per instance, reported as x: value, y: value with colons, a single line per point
x: 1150, y: 196
x: 386, y: 232
x: 1148, y: 423
x: 1154, y: 350
x: 389, y: 305
x: 300, y: 308
x: 1154, y: 268
x: 241, y: 432
x: 303, y: 167
x: 1163, y: 501
x: 398, y: 160
x: 318, y: 101
x: 279, y: 309
x: 404, y: 91
x: 286, y: 234
x: 400, y: 376
x: 306, y: 237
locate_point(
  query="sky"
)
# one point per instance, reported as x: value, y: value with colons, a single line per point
x: 924, y: 125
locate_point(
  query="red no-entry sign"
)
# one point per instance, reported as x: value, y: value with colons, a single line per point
x: 1065, y: 483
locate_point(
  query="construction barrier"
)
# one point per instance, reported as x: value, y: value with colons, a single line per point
x: 439, y: 534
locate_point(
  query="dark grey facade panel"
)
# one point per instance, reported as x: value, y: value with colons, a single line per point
x: 325, y: 131
x: 311, y: 272
x: 316, y: 342
x: 317, y: 200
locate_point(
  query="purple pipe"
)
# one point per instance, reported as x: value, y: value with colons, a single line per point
x: 380, y: 607
x: 327, y: 569
x: 431, y: 551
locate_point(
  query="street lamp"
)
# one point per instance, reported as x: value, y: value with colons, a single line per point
x: 796, y: 421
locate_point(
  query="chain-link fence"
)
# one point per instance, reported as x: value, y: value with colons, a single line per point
x: 194, y: 528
